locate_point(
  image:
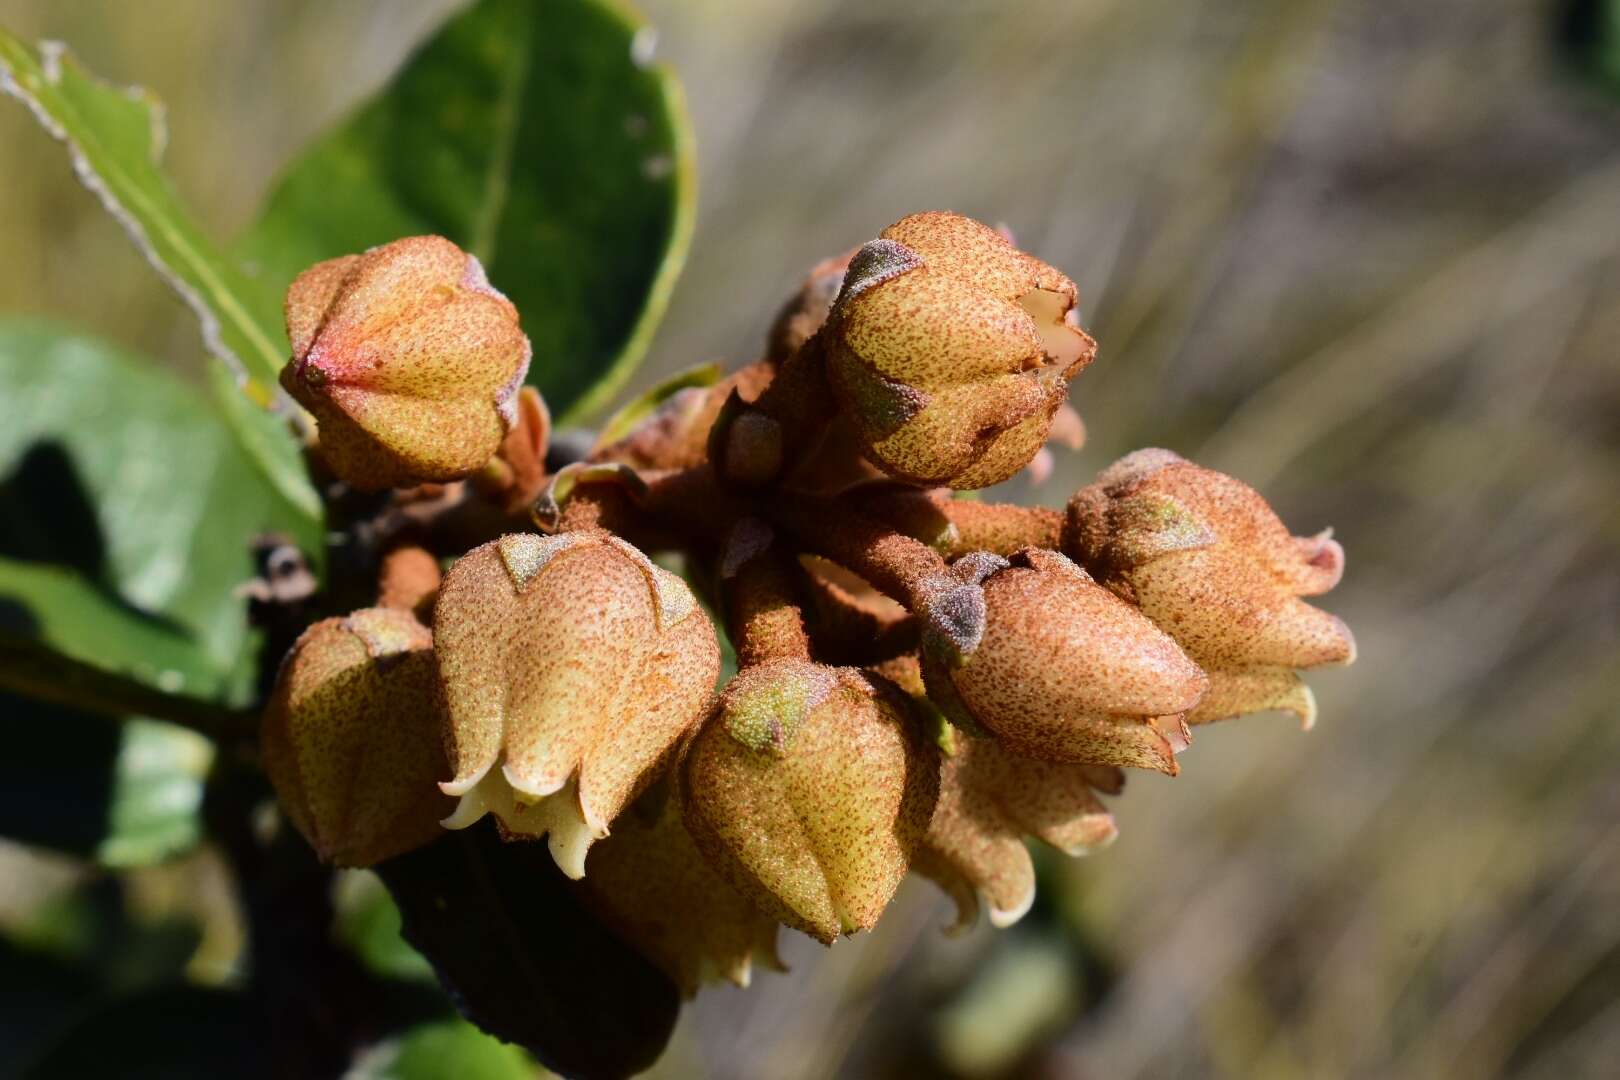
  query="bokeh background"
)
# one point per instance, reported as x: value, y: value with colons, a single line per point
x: 1364, y: 255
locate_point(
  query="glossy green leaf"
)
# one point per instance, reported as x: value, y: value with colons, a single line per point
x: 130, y: 517
x: 115, y: 137
x: 537, y: 136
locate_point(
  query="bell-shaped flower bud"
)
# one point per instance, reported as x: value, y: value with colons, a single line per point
x: 650, y: 883
x: 571, y: 665
x: 352, y: 737
x: 808, y: 789
x: 409, y: 360
x: 952, y: 350
x: 1206, y: 558
x: 989, y: 800
x: 1037, y: 654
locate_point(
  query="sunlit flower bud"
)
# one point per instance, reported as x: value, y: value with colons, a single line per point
x: 808, y: 789
x: 649, y: 882
x: 352, y: 737
x: 1037, y: 654
x: 952, y: 350
x: 571, y: 665
x: 409, y: 360
x: 1206, y: 559
x: 989, y: 800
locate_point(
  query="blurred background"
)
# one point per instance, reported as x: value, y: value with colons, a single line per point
x: 1365, y: 256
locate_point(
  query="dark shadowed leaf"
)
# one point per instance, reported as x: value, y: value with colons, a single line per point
x: 175, y: 1033
x: 537, y: 136
x: 524, y: 961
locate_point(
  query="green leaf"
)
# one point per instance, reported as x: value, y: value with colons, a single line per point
x: 444, y: 1048
x: 536, y: 136
x: 130, y: 517
x: 638, y: 408
x: 115, y: 137
x: 369, y: 923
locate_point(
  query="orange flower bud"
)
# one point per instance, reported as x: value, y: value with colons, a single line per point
x: 1037, y: 654
x: 808, y: 789
x: 351, y: 737
x: 409, y: 360
x: 952, y: 350
x: 574, y: 664
x: 1206, y: 559
x: 650, y: 884
x: 989, y: 799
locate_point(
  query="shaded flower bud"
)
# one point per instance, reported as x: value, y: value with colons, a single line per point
x: 989, y: 800
x: 571, y: 665
x: 808, y: 789
x: 1205, y: 557
x: 952, y: 350
x: 806, y: 310
x: 409, y: 360
x: 649, y: 882
x: 1037, y: 654
x: 352, y: 737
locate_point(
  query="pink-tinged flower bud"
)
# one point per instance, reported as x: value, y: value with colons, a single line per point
x: 1037, y: 654
x: 952, y: 350
x: 1205, y: 558
x: 352, y: 737
x: 571, y: 665
x: 989, y: 800
x: 409, y: 360
x: 650, y: 883
x: 808, y: 789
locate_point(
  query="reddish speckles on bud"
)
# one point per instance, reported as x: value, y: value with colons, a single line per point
x: 809, y: 789
x: 351, y: 737
x: 409, y: 360
x: 952, y: 350
x: 1207, y: 559
x: 571, y: 665
x: 652, y: 885
x: 1037, y: 654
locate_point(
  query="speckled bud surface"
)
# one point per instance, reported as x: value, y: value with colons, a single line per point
x: 1060, y: 668
x: 571, y: 665
x: 351, y: 737
x: 989, y: 800
x: 808, y: 789
x: 1206, y: 558
x: 651, y: 884
x: 408, y: 359
x: 952, y: 350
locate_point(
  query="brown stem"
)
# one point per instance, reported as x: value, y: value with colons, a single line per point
x: 676, y: 507
x: 906, y: 569
x: 999, y: 528
x: 763, y: 612
x: 755, y: 444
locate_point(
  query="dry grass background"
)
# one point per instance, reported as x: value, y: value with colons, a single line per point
x: 1365, y: 255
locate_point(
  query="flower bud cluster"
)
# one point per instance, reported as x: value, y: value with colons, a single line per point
x: 924, y: 682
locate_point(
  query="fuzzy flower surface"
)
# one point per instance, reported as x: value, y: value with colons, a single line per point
x: 351, y: 737
x: 409, y: 360
x: 571, y: 665
x: 951, y: 350
x: 1207, y: 559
